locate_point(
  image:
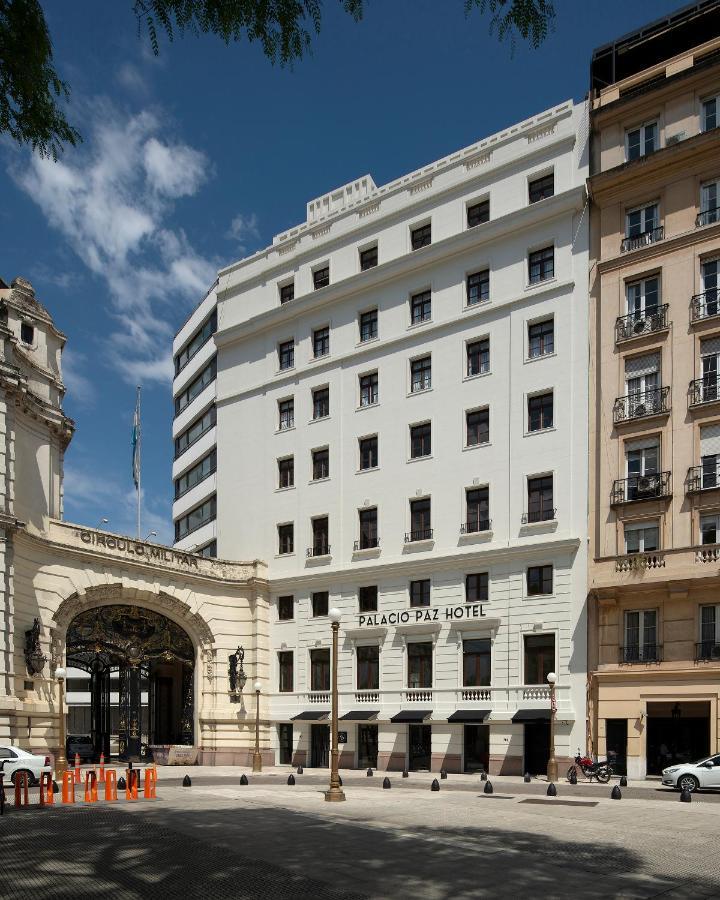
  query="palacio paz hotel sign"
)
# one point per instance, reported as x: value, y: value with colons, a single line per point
x: 465, y: 612
x: 138, y: 549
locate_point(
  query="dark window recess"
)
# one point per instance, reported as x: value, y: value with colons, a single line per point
x: 321, y: 536
x: 540, y: 412
x: 541, y: 338
x: 209, y: 551
x: 476, y: 663
x: 286, y: 414
x: 420, y: 529
x: 421, y: 237
x: 541, y: 265
x: 286, y: 538
x: 539, y: 580
x: 420, y: 440
x: 540, y: 499
x: 285, y: 671
x: 320, y: 669
x: 477, y: 510
x: 195, y: 431
x: 368, y: 325
x: 368, y: 668
x: 321, y: 403
x: 420, y: 307
x: 477, y: 423
x: 196, y: 342
x: 286, y: 354
x: 478, y: 287
x: 367, y: 598
x: 321, y: 342
x: 286, y: 472
x: 478, y: 213
x: 321, y: 464
x: 541, y: 188
x: 476, y: 587
x: 320, y: 603
x: 368, y: 258
x: 369, y: 452
x: 368, y: 528
x: 286, y: 607
x: 27, y: 333
x: 321, y: 277
x: 369, y: 389
x: 287, y: 292
x: 199, y: 472
x: 539, y: 657
x: 478, y: 357
x: 420, y: 592
x: 420, y: 374
x: 196, y: 387
x: 196, y: 518
x: 420, y: 665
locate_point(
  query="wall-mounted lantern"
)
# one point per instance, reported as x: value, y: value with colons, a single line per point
x: 236, y: 673
x: 35, y: 659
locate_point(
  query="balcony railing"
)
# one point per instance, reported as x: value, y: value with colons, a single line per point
x: 710, y: 553
x: 704, y: 390
x: 708, y: 216
x: 639, y: 562
x: 319, y: 549
x: 641, y: 404
x: 319, y: 697
x: 641, y: 487
x: 637, y: 324
x: 635, y: 242
x: 648, y: 653
x: 703, y: 478
x: 707, y: 650
x: 418, y: 695
x: 423, y: 534
x: 538, y: 515
x: 705, y: 305
x: 475, y: 526
x: 367, y: 543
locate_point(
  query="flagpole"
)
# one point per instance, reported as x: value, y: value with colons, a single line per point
x: 139, y: 466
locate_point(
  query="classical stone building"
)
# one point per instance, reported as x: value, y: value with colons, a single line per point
x: 152, y: 628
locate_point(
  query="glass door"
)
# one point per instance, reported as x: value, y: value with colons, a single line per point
x: 367, y: 746
x: 420, y: 741
x: 477, y: 748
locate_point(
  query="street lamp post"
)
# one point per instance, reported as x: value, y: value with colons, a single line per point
x: 335, y: 794
x: 552, y: 766
x: 257, y: 758
x: 61, y: 760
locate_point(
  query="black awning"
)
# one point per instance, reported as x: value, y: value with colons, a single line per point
x: 314, y: 715
x: 532, y: 715
x: 469, y: 715
x: 411, y: 715
x: 361, y: 715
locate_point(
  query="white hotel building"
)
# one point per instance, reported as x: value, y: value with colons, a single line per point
x: 401, y: 395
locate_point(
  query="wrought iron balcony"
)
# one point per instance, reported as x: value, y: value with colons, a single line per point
x: 422, y: 534
x: 320, y: 548
x: 638, y: 324
x: 475, y: 526
x: 641, y: 487
x: 366, y: 543
x: 704, y: 390
x: 645, y: 654
x: 538, y: 515
x: 705, y: 305
x: 636, y: 241
x: 708, y: 216
x: 703, y: 478
x: 707, y: 650
x: 641, y: 404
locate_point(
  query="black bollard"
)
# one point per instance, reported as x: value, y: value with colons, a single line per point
x: 616, y: 794
x: 488, y: 789
x: 552, y: 790
x: 573, y: 777
x: 435, y: 786
x: 443, y: 773
x: 526, y: 778
x: 369, y: 773
x: 340, y: 781
x: 386, y: 784
x: 56, y: 789
x: 406, y: 774
x: 186, y: 781
x: 685, y: 797
x: 291, y: 779
x: 623, y: 781
x: 244, y: 779
x: 122, y: 785
x: 483, y: 775
x: 299, y: 770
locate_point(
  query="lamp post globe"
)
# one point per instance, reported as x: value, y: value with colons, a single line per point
x: 551, y: 677
x: 335, y: 615
x: 61, y: 759
x: 258, y: 686
x: 552, y: 766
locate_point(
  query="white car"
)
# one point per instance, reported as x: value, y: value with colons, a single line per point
x: 691, y: 776
x: 17, y: 760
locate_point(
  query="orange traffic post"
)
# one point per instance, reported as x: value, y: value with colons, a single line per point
x: 150, y: 782
x: 22, y: 796
x: 68, y: 787
x: 47, y: 793
x: 91, y: 791
x: 78, y: 776
x: 111, y: 785
x: 131, y: 792
x: 102, y: 767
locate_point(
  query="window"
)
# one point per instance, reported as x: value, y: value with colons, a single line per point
x: 368, y: 528
x: 420, y: 665
x: 369, y: 452
x: 27, y: 333
x: 321, y: 536
x: 420, y: 529
x: 320, y: 603
x: 710, y: 456
x: 369, y: 389
x: 196, y: 518
x: 709, y: 530
x: 541, y: 265
x: 476, y: 663
x: 643, y: 297
x: 321, y: 403
x: 368, y: 325
x: 476, y: 587
x: 710, y: 114
x: 204, y: 422
x: 420, y: 237
x: 478, y: 357
x: 286, y: 354
x: 196, y: 342
x: 540, y: 499
x: 478, y: 287
x: 539, y: 580
x: 642, y: 376
x: 709, y: 632
x: 209, y: 551
x: 641, y: 141
x: 196, y: 387
x: 367, y: 598
x: 709, y: 203
x: 540, y: 412
x: 320, y: 669
x: 321, y: 342
x: 368, y: 258
x: 641, y: 221
x: 710, y: 272
x: 539, y: 657
x: 199, y: 472
x: 420, y: 592
x: 640, y: 636
x: 321, y: 464
x: 710, y: 370
x: 368, y: 668
x: 286, y: 608
x: 420, y: 374
x: 420, y: 440
x: 286, y: 538
x: 477, y: 213
x: 286, y: 472
x: 642, y: 463
x: 321, y: 277
x: 285, y: 671
x: 477, y: 510
x: 541, y: 188
x: 642, y: 538
x: 541, y: 338
x: 477, y: 427
x: 420, y: 307
x: 286, y: 414
x: 287, y: 292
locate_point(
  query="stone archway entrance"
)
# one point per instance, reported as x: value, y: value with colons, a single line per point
x: 140, y: 663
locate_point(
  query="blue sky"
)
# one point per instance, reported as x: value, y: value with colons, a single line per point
x: 199, y: 157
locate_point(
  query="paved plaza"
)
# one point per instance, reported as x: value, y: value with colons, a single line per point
x: 267, y: 839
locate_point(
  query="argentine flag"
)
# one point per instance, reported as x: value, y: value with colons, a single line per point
x: 136, y: 442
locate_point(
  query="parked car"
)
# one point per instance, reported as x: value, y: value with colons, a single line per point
x: 82, y: 745
x: 691, y: 776
x: 16, y: 760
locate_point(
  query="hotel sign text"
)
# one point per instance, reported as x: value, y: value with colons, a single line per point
x: 438, y: 614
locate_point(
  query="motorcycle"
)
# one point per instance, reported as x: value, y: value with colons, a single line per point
x: 600, y: 770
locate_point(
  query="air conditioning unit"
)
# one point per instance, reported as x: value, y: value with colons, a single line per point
x: 640, y: 410
x: 645, y: 485
x: 639, y: 326
x: 675, y: 139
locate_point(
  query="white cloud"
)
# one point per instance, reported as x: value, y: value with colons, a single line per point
x: 245, y: 230
x: 81, y: 388
x: 130, y: 77
x: 175, y: 171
